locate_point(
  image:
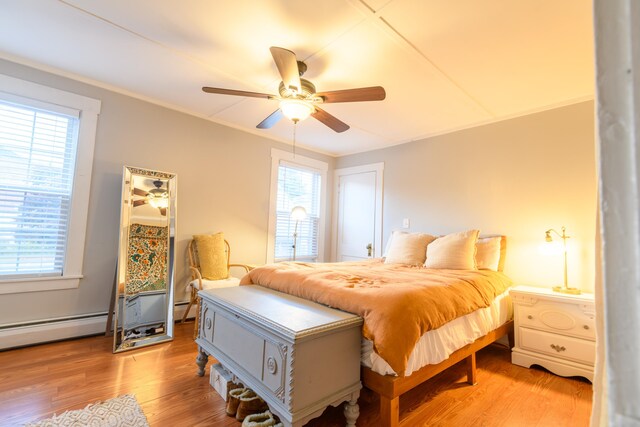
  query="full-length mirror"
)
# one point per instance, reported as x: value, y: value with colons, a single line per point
x: 144, y: 278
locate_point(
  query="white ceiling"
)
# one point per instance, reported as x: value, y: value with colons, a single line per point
x: 445, y: 65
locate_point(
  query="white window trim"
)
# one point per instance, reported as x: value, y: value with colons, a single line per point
x: 88, y: 109
x: 321, y: 167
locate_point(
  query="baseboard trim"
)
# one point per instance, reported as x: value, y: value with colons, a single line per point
x: 38, y: 333
x: 180, y: 308
x: 49, y: 330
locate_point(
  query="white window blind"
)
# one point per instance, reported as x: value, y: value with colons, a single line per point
x: 297, y: 186
x: 38, y: 154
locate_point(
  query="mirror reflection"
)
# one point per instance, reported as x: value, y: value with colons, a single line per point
x: 144, y: 298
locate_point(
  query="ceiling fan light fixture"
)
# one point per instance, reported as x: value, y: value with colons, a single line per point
x: 158, y: 197
x: 160, y: 200
x: 296, y: 109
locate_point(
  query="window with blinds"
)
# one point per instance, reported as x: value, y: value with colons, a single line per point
x: 297, y: 186
x: 38, y: 154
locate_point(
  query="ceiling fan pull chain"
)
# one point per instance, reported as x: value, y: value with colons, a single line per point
x: 295, y: 126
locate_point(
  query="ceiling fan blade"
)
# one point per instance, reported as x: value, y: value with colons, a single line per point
x: 329, y: 120
x: 271, y: 120
x: 236, y: 92
x: 287, y: 66
x: 137, y: 203
x: 140, y: 192
x: 373, y: 93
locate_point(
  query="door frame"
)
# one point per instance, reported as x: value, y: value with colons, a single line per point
x: 616, y: 381
x: 378, y: 168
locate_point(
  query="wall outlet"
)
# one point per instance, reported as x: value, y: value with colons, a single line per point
x: 405, y: 223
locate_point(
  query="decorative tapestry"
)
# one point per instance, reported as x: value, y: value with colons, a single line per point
x: 147, y: 266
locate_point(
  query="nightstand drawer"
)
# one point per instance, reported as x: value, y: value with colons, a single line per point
x: 563, y: 318
x: 570, y: 348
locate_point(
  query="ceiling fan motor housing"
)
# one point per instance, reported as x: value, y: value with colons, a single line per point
x: 307, y: 89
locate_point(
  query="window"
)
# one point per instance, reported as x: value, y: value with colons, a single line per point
x: 37, y: 149
x: 46, y: 152
x: 297, y: 187
x: 296, y: 181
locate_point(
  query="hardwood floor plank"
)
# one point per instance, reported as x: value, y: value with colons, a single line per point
x: 38, y: 381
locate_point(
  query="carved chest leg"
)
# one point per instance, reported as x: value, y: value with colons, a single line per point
x: 201, y: 361
x: 352, y: 410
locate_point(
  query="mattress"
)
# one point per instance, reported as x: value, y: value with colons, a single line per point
x: 436, y: 345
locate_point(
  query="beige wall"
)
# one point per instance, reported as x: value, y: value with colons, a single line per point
x: 223, y: 185
x: 517, y: 177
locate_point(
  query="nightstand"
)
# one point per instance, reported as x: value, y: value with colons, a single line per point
x: 554, y: 330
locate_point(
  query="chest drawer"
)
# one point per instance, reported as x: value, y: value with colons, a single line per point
x: 239, y: 344
x: 557, y: 317
x: 263, y: 359
x: 556, y: 345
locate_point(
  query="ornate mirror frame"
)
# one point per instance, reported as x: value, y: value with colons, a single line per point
x: 146, y: 261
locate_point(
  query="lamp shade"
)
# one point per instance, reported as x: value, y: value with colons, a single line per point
x: 298, y: 213
x: 296, y: 109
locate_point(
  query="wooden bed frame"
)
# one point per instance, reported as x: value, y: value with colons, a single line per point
x: 390, y: 387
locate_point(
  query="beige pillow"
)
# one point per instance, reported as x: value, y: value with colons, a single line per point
x: 388, y: 245
x: 212, y: 256
x: 488, y: 253
x: 408, y: 248
x: 454, y: 251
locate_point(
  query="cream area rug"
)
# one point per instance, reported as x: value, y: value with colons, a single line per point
x: 122, y: 411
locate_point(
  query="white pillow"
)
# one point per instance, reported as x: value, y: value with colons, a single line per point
x: 408, y: 248
x: 488, y: 253
x: 454, y: 251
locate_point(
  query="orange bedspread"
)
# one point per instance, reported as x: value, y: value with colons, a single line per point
x: 398, y: 303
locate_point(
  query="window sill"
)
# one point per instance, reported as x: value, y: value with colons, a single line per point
x: 38, y: 284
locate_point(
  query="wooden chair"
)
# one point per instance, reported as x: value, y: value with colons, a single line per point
x: 197, y: 283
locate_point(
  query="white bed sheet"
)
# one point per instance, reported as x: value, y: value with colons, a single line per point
x: 436, y: 345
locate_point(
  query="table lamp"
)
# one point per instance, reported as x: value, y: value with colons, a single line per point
x: 549, y: 238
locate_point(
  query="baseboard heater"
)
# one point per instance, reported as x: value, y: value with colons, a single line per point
x: 57, y: 329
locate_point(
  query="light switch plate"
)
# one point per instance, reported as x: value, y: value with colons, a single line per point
x: 405, y: 223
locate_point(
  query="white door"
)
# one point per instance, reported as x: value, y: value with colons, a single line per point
x: 358, y: 225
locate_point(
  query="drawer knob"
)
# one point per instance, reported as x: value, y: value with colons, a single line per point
x: 558, y: 348
x: 529, y: 317
x: 586, y: 327
x: 272, y: 365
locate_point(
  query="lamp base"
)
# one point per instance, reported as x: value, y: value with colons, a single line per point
x: 562, y: 289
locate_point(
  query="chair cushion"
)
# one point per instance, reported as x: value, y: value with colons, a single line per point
x: 212, y: 256
x: 215, y: 284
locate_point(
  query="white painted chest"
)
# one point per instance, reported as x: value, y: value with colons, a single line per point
x: 299, y: 356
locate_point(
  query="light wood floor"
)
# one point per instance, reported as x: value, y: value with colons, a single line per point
x: 36, y: 382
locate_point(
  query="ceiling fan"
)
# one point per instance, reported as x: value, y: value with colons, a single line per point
x: 156, y: 197
x: 298, y: 97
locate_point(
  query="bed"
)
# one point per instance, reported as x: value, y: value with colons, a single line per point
x: 418, y: 321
